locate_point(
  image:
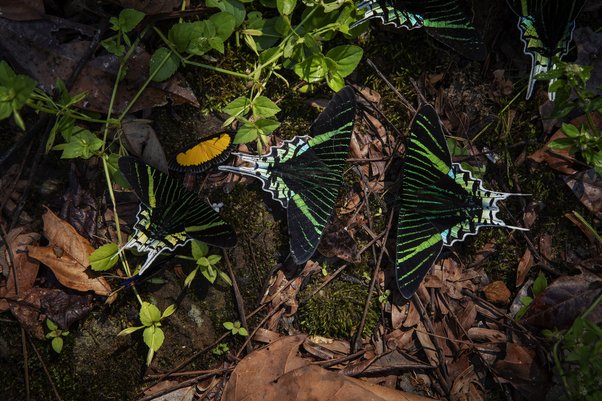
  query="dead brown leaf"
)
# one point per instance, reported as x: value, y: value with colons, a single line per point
x: 40, y: 50
x: 337, y: 242
x: 587, y: 187
x: 524, y: 266
x: 497, y: 292
x: 67, y: 256
x: 427, y: 344
x: 28, y: 309
x: 563, y: 300
x: 482, y: 334
x: 25, y: 269
x: 141, y: 140
x: 523, y: 372
x: 24, y: 10
x: 277, y: 373
x: 532, y: 212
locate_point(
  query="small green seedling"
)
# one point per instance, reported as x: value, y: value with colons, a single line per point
x: 235, y: 328
x: 220, y: 349
x: 383, y: 298
x: 539, y: 285
x: 206, y: 264
x: 15, y: 91
x: 150, y: 317
x: 56, y: 334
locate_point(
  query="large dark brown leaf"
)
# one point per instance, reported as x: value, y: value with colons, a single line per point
x: 277, y: 373
x: 565, y: 299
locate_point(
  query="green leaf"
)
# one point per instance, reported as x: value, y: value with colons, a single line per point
x: 264, y: 107
x: 6, y: 73
x: 225, y: 277
x: 335, y: 81
x: 347, y: 57
x: 129, y: 18
x: 57, y: 344
x: 267, y: 125
x: 286, y: 7
x: 188, y: 280
x: 104, y: 257
x: 246, y: 133
x: 149, y: 314
x: 51, y: 325
x: 165, y: 63
x: 129, y: 330
x: 153, y: 337
x: 209, y: 273
x: 214, y: 259
x: 561, y: 143
x: 169, y: 311
x: 228, y: 325
x: 84, y: 145
x: 180, y: 35
x: 225, y: 23
x: 234, y: 7
x: 237, y: 107
x: 312, y: 69
x: 203, y: 261
x: 199, y: 249
x: 570, y: 130
x: 540, y: 284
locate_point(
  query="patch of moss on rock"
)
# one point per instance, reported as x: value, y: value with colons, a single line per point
x: 336, y: 310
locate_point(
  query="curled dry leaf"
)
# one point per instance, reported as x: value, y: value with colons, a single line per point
x: 67, y: 256
x: 563, y: 300
x: 24, y: 269
x: 482, y: 334
x: 497, y: 292
x: 277, y: 373
x: 336, y: 241
x: 524, y: 266
x: 427, y: 344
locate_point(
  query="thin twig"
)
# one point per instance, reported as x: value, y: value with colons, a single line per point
x: 240, y: 303
x: 54, y: 390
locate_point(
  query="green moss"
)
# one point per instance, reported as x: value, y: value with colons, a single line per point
x: 336, y: 310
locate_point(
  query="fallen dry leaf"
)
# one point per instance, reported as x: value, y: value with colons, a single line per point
x: 277, y: 373
x: 587, y: 187
x: 28, y: 309
x: 482, y: 334
x: 67, y: 256
x: 497, y: 292
x: 24, y: 10
x: 141, y: 140
x: 524, y: 266
x: 584, y: 229
x: 523, y: 372
x: 337, y: 242
x: 48, y: 50
x: 25, y: 269
x: 563, y: 300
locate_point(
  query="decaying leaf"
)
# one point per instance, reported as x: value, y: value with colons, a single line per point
x: 587, y: 187
x: 277, y: 373
x: 25, y: 269
x: 563, y: 300
x: 497, y: 292
x: 336, y: 241
x: 24, y: 10
x: 524, y: 265
x: 523, y: 372
x: 142, y: 141
x: 67, y: 256
x: 28, y: 309
x: 40, y: 50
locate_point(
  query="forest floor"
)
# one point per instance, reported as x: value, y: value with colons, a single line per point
x: 498, y: 316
